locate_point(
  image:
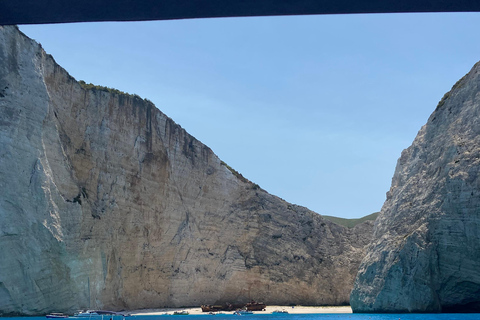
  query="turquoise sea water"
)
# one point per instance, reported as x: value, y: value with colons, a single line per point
x: 347, y: 316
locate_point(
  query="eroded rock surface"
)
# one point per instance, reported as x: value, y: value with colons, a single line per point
x: 425, y: 253
x: 107, y: 203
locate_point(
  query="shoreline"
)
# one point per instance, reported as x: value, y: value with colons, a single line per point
x: 269, y: 310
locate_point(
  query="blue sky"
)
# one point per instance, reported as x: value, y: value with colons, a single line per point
x: 315, y: 109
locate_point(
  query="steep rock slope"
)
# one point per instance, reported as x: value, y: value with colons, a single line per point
x: 425, y: 253
x: 107, y: 203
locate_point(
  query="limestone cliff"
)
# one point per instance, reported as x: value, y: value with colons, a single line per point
x: 107, y: 203
x: 425, y: 253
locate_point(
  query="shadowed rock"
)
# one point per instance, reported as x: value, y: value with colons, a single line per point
x: 424, y: 255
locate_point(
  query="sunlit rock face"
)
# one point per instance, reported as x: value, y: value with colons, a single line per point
x: 425, y: 255
x: 107, y: 203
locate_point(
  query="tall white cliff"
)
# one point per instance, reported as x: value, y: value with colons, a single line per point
x: 107, y: 203
x: 425, y: 252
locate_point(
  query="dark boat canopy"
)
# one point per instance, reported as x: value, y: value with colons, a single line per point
x: 61, y: 11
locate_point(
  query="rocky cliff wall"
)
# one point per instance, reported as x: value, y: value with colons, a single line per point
x: 425, y: 253
x: 107, y: 203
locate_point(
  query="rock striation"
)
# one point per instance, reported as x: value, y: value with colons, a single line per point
x: 107, y: 203
x: 424, y: 256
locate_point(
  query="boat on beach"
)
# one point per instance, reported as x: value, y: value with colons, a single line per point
x: 256, y: 306
x: 251, y: 306
x: 212, y: 308
x: 225, y: 307
x: 181, y: 313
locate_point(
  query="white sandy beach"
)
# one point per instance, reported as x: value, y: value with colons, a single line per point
x: 269, y: 309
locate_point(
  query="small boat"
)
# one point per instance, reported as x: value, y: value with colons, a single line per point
x: 181, y: 313
x: 242, y: 312
x: 88, y: 313
x: 56, y: 315
x: 280, y: 311
x: 96, y: 313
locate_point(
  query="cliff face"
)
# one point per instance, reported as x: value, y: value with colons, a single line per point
x: 107, y: 203
x: 425, y: 253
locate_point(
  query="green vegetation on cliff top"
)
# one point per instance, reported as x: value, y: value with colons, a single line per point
x: 350, y: 223
x: 91, y: 86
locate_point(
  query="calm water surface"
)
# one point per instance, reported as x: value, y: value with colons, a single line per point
x: 347, y: 316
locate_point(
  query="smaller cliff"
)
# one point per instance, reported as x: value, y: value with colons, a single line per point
x: 350, y: 223
x: 107, y: 203
x: 424, y: 256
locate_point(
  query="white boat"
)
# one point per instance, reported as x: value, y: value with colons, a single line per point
x: 280, y: 311
x: 56, y: 315
x: 96, y: 313
x: 88, y: 313
x: 242, y: 312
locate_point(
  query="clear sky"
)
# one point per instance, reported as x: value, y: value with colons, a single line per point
x: 314, y: 109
